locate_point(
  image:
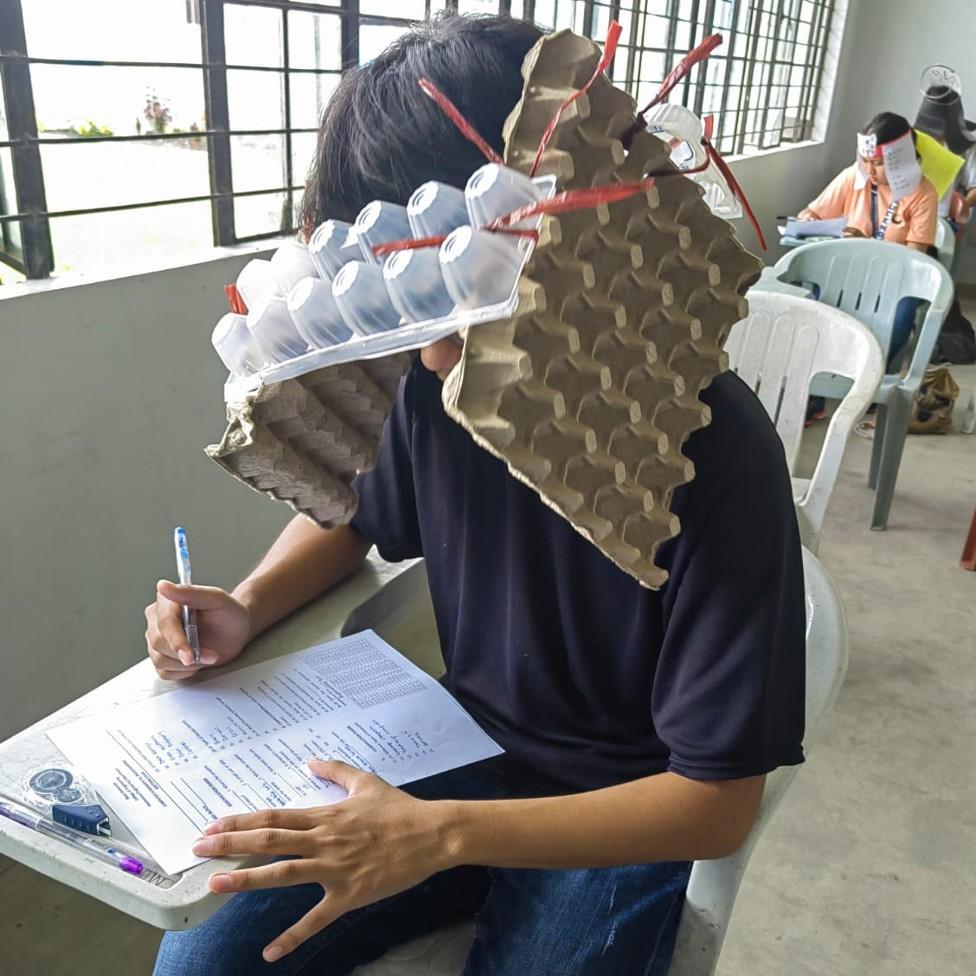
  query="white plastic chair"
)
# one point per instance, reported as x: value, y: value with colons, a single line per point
x: 777, y: 351
x: 713, y: 885
x: 945, y: 241
x: 867, y: 279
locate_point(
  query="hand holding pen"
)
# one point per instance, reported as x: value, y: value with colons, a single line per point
x: 222, y: 623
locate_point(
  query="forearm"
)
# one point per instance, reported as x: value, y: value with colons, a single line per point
x: 304, y: 562
x: 659, y: 818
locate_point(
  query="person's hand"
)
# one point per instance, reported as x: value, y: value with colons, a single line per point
x: 223, y: 627
x: 377, y: 842
x: 853, y: 232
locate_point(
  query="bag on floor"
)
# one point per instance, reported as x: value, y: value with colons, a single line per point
x: 932, y: 409
x: 957, y: 340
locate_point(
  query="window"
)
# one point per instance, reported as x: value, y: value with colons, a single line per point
x: 167, y: 126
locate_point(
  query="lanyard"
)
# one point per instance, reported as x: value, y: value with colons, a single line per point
x: 879, y: 232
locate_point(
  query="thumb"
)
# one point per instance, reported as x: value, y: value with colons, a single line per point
x: 197, y: 597
x: 340, y: 773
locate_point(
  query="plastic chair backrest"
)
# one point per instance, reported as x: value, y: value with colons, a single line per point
x: 714, y: 884
x: 945, y: 241
x: 784, y: 342
x: 867, y: 279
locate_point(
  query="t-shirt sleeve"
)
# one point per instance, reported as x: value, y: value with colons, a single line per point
x: 387, y: 512
x: 924, y: 216
x: 833, y: 199
x: 728, y: 696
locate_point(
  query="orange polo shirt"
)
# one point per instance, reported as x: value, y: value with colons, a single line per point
x: 913, y: 222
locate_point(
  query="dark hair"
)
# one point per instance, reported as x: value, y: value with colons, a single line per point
x: 381, y: 136
x: 888, y: 126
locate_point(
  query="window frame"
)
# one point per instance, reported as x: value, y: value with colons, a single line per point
x: 34, y: 256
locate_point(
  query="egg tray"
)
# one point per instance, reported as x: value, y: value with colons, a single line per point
x: 590, y: 389
x: 303, y: 440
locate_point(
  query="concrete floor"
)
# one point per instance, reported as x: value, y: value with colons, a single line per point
x: 869, y: 866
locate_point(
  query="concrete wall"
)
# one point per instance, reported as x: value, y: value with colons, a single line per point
x: 110, y: 391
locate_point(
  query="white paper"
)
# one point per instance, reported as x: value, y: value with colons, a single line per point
x: 834, y: 227
x: 172, y: 764
x: 902, y: 170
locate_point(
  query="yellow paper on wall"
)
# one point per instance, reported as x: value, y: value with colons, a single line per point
x: 939, y: 165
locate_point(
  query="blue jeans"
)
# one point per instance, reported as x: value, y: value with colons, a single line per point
x: 901, y: 329
x: 602, y: 922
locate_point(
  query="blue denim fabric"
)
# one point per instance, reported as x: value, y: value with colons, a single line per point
x: 603, y: 922
x: 901, y: 329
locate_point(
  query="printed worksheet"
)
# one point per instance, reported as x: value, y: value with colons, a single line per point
x: 170, y: 765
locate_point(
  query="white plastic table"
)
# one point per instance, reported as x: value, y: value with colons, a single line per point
x: 379, y: 596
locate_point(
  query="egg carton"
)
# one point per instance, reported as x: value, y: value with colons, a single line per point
x: 588, y: 385
x: 302, y: 441
x: 591, y: 389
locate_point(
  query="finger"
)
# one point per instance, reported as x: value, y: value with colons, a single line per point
x: 340, y: 773
x: 262, y: 819
x: 325, y: 913
x: 197, y: 597
x: 268, y: 840
x: 280, y: 874
x: 181, y: 675
x: 169, y: 624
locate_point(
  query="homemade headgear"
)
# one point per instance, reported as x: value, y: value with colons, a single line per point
x: 941, y: 115
x: 589, y: 387
x: 902, y: 170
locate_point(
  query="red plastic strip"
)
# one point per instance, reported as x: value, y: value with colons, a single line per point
x: 681, y: 69
x: 234, y: 300
x: 609, y: 49
x: 409, y: 244
x: 676, y: 74
x: 464, y: 126
x: 723, y: 168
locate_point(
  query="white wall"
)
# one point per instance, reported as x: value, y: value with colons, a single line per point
x: 109, y: 393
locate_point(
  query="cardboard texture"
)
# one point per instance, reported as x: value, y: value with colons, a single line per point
x: 589, y: 392
x: 303, y: 441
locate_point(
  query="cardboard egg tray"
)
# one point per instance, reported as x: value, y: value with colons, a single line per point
x: 591, y: 388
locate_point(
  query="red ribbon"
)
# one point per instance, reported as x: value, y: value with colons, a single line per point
x: 234, y: 300
x: 678, y: 72
x: 454, y: 114
x: 609, y: 49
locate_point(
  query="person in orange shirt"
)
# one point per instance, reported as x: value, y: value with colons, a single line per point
x: 907, y: 214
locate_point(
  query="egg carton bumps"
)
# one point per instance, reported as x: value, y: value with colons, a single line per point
x: 590, y: 390
x: 304, y: 440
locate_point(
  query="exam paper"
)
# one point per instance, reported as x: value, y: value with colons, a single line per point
x: 834, y: 227
x: 172, y: 764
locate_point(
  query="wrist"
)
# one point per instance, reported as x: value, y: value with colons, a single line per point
x: 246, y: 595
x: 455, y: 825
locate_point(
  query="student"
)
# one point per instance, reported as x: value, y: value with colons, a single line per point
x: 910, y: 220
x: 638, y: 724
x: 862, y: 194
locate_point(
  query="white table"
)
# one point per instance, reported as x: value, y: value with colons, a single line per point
x: 380, y: 596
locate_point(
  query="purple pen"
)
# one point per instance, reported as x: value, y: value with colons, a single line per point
x: 89, y: 845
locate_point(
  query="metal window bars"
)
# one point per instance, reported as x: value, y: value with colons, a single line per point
x: 762, y: 87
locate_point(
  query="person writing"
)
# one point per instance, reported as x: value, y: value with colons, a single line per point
x: 638, y: 725
x: 863, y: 194
x: 904, y: 214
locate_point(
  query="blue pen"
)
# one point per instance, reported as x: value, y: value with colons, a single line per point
x: 183, y: 569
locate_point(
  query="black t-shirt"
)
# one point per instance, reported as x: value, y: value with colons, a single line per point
x: 574, y: 668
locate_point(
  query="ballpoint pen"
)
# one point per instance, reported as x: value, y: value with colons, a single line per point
x: 183, y: 569
x: 27, y: 818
